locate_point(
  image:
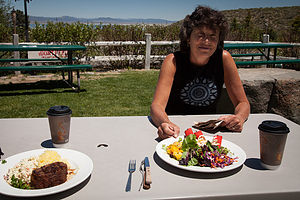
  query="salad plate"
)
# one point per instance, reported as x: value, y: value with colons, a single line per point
x: 79, y: 161
x: 235, y: 152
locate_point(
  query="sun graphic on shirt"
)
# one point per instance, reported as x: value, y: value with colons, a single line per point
x: 199, y: 92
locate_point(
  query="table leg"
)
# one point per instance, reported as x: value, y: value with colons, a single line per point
x: 275, y: 53
x: 78, y: 80
x: 70, y: 62
x: 56, y: 56
x: 268, y: 55
x: 3, y: 54
x: 262, y: 51
x: 70, y: 75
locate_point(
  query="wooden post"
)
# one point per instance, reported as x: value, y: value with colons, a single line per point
x: 265, y: 39
x: 148, y: 51
x: 16, y: 53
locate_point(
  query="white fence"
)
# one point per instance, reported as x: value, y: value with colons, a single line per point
x: 148, y: 57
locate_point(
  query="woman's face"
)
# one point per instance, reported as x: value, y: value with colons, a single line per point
x: 204, y: 41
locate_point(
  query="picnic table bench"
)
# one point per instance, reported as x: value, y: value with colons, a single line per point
x: 261, y: 47
x: 67, y: 64
x: 252, y: 55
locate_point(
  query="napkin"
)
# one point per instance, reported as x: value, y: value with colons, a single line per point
x: 210, y: 126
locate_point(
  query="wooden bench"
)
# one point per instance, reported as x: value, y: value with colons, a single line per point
x: 252, y: 55
x: 45, y: 68
x: 62, y: 68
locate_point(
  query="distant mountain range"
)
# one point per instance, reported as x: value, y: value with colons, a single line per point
x: 103, y: 20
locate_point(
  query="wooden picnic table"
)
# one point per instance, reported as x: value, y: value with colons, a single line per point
x: 67, y: 64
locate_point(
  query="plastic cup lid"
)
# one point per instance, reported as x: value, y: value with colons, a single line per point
x: 59, y: 111
x: 274, y: 127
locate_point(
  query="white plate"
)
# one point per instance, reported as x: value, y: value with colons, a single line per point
x: 78, y: 160
x: 234, y: 149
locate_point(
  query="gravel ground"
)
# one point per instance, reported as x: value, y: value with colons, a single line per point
x: 27, y: 78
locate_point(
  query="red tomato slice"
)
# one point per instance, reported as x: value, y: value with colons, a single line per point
x: 188, y: 131
x: 217, y: 140
x: 198, y: 133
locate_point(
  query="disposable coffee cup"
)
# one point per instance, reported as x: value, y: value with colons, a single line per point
x: 59, y: 118
x: 272, y: 136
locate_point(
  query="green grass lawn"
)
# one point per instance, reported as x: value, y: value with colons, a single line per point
x: 126, y: 94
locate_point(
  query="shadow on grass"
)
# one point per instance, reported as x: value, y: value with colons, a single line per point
x: 39, y: 87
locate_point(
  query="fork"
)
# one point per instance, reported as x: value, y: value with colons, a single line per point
x: 217, y: 124
x: 131, y: 169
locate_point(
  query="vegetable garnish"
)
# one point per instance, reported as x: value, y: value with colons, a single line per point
x: 18, y: 183
x: 195, y: 150
x: 198, y: 134
x: 188, y: 132
x: 217, y: 140
x: 3, y: 161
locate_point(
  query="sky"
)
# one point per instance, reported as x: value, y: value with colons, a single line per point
x: 173, y: 10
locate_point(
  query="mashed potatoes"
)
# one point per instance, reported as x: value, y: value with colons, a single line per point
x: 49, y: 157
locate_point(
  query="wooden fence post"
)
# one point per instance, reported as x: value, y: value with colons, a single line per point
x: 16, y: 53
x: 265, y: 39
x: 148, y: 51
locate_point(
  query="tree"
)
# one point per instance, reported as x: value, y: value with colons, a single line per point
x: 20, y: 23
x: 295, y: 30
x: 26, y: 20
x: 235, y: 32
x: 5, y: 30
x: 234, y: 25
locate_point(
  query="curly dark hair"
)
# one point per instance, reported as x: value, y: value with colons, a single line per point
x: 202, y: 16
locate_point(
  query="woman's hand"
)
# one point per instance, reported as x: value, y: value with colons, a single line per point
x: 232, y: 122
x: 166, y: 130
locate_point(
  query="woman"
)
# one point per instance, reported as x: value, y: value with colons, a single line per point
x: 191, y: 80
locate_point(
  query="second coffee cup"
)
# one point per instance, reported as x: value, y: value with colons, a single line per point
x: 272, y: 135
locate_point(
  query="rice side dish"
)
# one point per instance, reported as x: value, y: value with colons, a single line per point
x: 22, y: 170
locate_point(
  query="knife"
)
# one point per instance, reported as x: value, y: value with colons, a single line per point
x: 147, y: 171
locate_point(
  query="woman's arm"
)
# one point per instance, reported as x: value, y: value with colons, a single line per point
x: 163, y: 88
x: 236, y: 93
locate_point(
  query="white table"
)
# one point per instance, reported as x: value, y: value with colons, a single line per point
x: 135, y: 137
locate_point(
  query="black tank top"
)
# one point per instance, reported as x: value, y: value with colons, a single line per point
x: 195, y: 89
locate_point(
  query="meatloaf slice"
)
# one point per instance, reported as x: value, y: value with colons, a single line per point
x: 49, y: 175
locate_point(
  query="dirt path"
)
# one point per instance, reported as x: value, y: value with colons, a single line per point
x: 27, y: 78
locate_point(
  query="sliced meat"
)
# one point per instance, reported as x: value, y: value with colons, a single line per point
x: 49, y: 175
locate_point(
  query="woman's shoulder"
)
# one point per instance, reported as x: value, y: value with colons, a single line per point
x: 226, y: 55
x: 169, y: 59
x: 169, y: 63
x: 179, y: 54
x: 228, y: 62
x: 170, y: 56
x: 175, y: 57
